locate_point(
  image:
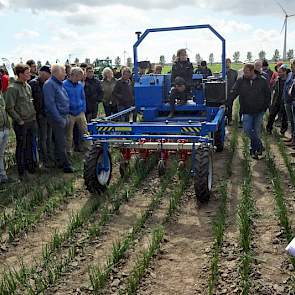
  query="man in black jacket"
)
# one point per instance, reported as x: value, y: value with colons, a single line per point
x: 93, y: 94
x: 182, y: 68
x: 44, y: 129
x: 278, y: 102
x: 204, y: 70
x: 123, y: 93
x: 255, y: 97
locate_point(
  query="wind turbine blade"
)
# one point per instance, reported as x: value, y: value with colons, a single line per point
x: 284, y: 25
x: 291, y: 15
x: 282, y: 8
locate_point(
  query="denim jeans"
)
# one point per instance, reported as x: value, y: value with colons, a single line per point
x: 252, y: 124
x: 3, y: 143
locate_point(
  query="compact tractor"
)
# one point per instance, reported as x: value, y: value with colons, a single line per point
x: 195, y: 132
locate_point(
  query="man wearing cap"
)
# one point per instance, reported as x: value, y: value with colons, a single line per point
x: 44, y: 129
x: 178, y: 94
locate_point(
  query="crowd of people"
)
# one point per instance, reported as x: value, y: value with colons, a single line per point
x: 49, y: 107
x: 259, y: 89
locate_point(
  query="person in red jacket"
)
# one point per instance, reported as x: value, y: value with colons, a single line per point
x: 4, y: 80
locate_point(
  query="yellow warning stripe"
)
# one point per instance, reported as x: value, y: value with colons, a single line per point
x: 120, y: 129
x: 191, y: 129
x: 104, y: 129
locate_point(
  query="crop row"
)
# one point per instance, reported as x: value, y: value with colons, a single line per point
x: 219, y: 223
x: 246, y: 213
x: 278, y: 189
x: 51, y: 267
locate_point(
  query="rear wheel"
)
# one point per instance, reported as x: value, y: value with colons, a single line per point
x: 203, y: 174
x: 95, y: 176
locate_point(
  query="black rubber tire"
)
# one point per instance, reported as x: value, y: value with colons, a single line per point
x: 203, y: 174
x: 218, y: 141
x: 161, y: 168
x: 91, y: 182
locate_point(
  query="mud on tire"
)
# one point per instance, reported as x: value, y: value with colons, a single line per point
x: 95, y: 181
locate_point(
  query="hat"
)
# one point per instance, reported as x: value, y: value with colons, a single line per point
x: 179, y: 81
x: 45, y: 69
x: 278, y: 65
x: 283, y: 66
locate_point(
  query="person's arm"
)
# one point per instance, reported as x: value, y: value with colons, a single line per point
x: 117, y: 93
x: 83, y: 98
x: 99, y: 91
x: 236, y: 74
x: 267, y: 92
x: 50, y: 104
x: 235, y: 91
x: 11, y: 98
x: 173, y: 75
x: 190, y: 75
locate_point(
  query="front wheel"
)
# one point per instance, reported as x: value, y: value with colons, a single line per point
x: 96, y: 176
x: 203, y: 177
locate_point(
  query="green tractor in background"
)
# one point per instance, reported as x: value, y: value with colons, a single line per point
x: 99, y: 65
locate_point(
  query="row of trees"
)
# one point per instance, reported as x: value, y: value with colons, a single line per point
x: 236, y: 57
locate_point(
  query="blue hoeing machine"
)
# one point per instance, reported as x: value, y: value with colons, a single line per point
x: 195, y: 132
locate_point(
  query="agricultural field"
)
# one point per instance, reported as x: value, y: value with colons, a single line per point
x: 147, y: 234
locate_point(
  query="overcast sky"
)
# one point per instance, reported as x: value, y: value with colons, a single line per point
x: 54, y: 29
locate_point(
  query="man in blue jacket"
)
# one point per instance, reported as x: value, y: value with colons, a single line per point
x: 57, y: 108
x: 77, y: 106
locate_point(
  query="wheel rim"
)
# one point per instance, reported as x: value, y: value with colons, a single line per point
x: 210, y: 173
x: 102, y: 175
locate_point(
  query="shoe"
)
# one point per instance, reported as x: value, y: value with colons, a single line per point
x: 68, y: 169
x: 290, y: 143
x: 283, y: 131
x: 255, y: 156
x: 25, y: 177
